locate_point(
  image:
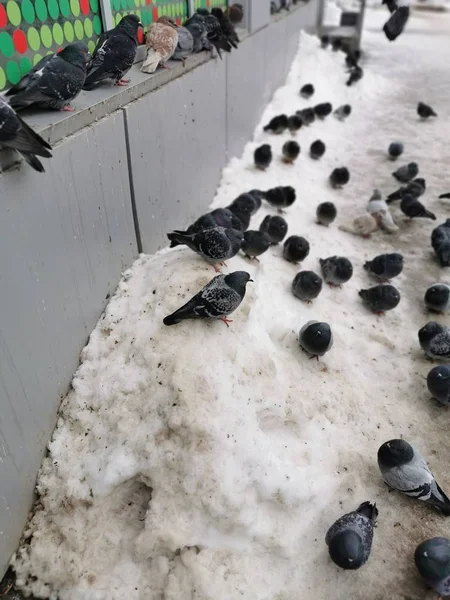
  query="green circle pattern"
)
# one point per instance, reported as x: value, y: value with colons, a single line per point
x: 41, y: 10
x: 13, y: 12
x: 58, y: 34
x: 34, y: 40
x: 13, y: 72
x: 2, y: 79
x: 68, y: 32
x: 53, y: 9
x: 6, y: 44
x: 28, y: 11
x: 25, y: 66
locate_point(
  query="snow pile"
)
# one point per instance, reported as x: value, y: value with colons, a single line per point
x: 206, y: 463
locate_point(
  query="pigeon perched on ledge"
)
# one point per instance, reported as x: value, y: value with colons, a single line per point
x: 161, y: 42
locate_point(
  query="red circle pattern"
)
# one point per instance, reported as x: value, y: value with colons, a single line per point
x: 84, y: 5
x: 140, y: 35
x: 20, y: 41
x: 3, y: 18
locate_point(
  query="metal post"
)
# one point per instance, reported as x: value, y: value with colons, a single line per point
x: 107, y: 17
x: 320, y: 16
x: 191, y: 9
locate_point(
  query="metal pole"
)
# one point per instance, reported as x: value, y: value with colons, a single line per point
x: 191, y: 9
x: 106, y: 12
x: 320, y: 16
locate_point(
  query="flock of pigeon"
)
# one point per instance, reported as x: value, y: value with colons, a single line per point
x: 219, y: 235
x: 58, y: 78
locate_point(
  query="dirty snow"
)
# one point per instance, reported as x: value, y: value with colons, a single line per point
x: 205, y: 463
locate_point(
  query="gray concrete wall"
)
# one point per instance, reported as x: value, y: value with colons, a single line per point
x: 156, y: 148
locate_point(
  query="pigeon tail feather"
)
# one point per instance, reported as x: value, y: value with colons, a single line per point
x: 177, y: 238
x: 151, y: 61
x: 33, y: 161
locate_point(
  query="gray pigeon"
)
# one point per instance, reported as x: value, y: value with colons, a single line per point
x: 326, y: 213
x: 315, y: 338
x: 54, y: 82
x: 16, y: 135
x: 385, y: 266
x: 275, y: 227
x: 440, y: 240
x: 434, y: 340
x: 281, y: 197
x: 277, y: 124
x: 220, y: 217
x: 294, y: 124
x: 343, y: 112
x: 185, y: 45
x: 412, y: 208
x: 349, y: 539
x: 323, y: 110
x: 290, y: 151
x: 380, y: 298
x: 437, y: 298
x: 405, y: 470
x: 438, y: 383
x: 218, y: 299
x: 317, y: 149
x: 356, y: 74
x: 246, y: 202
x: 307, y: 91
x: 200, y: 36
x: 295, y: 249
x: 406, y: 173
x: 432, y: 558
x: 263, y: 157
x: 424, y: 111
x: 213, y: 245
x: 255, y: 243
x: 336, y: 270
x: 307, y: 115
x: 339, y: 177
x: 306, y: 286
x: 415, y: 188
x: 395, y: 150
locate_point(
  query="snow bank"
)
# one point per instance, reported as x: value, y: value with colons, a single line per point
x: 200, y: 462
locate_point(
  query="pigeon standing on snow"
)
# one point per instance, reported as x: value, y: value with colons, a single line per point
x: 324, y: 41
x: 438, y: 383
x: 379, y: 209
x: 415, y: 188
x: 336, y: 270
x: 294, y: 124
x: 307, y: 115
x: 307, y: 91
x: 363, y: 225
x: 339, y: 177
x: 440, y: 240
x: 326, y: 213
x: 295, y: 249
x: 213, y: 245
x: 317, y: 149
x: 243, y: 215
x: 315, y: 338
x: 432, y: 559
x: 396, y: 23
x: 406, y: 173
x: 323, y: 110
x: 114, y: 53
x: 424, y: 111
x: 185, y: 45
x: 275, y: 227
x: 385, y: 266
x: 218, y: 299
x: 380, y: 298
x: 16, y: 135
x: 263, y: 157
x: 405, y: 470
x: 412, y: 208
x: 277, y: 125
x: 434, y: 340
x: 161, y: 42
x: 349, y: 539
x: 355, y: 75
x: 281, y: 197
x: 343, y: 112
x: 246, y: 202
x: 395, y: 150
x: 290, y: 152
x: 307, y: 285
x: 255, y: 243
x: 437, y: 297
x: 54, y: 82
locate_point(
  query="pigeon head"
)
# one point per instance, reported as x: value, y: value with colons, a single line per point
x: 236, y: 237
x: 217, y: 12
x: 238, y: 281
x: 130, y: 25
x: 347, y: 550
x: 76, y: 54
x: 420, y: 180
x: 344, y: 268
x: 432, y: 558
x: 428, y: 331
x: 395, y: 453
x: 437, y: 295
x: 368, y: 510
x: 165, y: 20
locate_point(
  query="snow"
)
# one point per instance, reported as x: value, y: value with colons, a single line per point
x: 200, y: 462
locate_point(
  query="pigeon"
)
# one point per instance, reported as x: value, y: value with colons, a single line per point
x: 432, y: 558
x: 437, y: 298
x: 255, y: 243
x: 218, y: 299
x: 290, y: 152
x: 226, y: 26
x: 434, y: 340
x: 277, y: 125
x: 200, y: 36
x: 247, y: 202
x: 326, y: 213
x: 324, y: 41
x: 424, y: 111
x: 446, y: 195
x: 295, y: 249
x: 396, y: 23
x: 222, y: 217
x: 336, y: 270
x: 281, y: 197
x: 440, y: 240
x: 306, y: 286
x: 438, y: 383
x: 258, y: 196
x: 349, y: 539
x: 161, y: 43
x: 307, y: 115
x: 16, y: 135
x: 379, y: 209
x: 114, y: 53
x: 242, y: 215
x: 275, y: 227
x: 54, y: 82
x: 391, y: 5
x: 185, y: 45
x: 294, y: 124
x: 405, y: 470
x: 323, y: 110
x: 355, y: 75
x: 395, y: 150
x: 315, y: 338
x: 412, y: 208
x: 339, y: 177
x: 363, y: 225
x: 352, y: 58
x: 343, y: 112
x: 317, y: 149
x: 213, y: 30
x: 385, y: 266
x: 213, y: 245
x: 307, y: 91
x: 336, y: 44
x: 406, y: 173
x: 235, y: 13
x: 416, y: 188
x: 263, y: 157
x: 380, y: 298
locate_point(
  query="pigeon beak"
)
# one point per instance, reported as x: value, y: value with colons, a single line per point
x: 251, y: 280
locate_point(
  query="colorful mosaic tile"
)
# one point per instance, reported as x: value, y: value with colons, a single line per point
x: 150, y: 10
x: 30, y: 29
x: 210, y: 4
